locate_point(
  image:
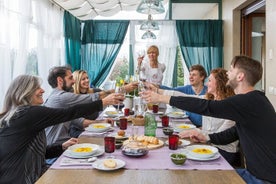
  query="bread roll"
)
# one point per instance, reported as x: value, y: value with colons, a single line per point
x: 121, y: 133
x: 147, y: 139
x: 110, y: 163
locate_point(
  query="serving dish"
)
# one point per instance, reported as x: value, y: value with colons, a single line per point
x: 135, y: 149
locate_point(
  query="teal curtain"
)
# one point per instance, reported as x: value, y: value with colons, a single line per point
x: 72, y: 31
x: 131, y: 61
x: 101, y: 42
x: 201, y: 42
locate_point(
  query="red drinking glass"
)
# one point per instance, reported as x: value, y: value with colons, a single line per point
x: 165, y: 121
x: 155, y: 108
x: 173, y: 141
x: 109, y: 144
x: 126, y: 111
x: 123, y: 123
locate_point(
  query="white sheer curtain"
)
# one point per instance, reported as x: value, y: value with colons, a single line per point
x: 31, y: 40
x: 166, y: 41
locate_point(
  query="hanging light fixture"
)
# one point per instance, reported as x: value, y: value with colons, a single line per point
x: 148, y: 35
x: 150, y: 6
x: 149, y: 24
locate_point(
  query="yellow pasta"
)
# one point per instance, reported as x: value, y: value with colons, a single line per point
x: 83, y: 149
x: 98, y: 126
x: 184, y: 126
x: 202, y: 151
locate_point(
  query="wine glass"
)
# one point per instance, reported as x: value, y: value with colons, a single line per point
x: 109, y: 145
x: 127, y: 79
x: 142, y: 77
x: 141, y: 53
x: 120, y: 90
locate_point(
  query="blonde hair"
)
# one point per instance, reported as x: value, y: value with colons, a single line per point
x: 77, y: 77
x: 153, y: 48
x: 19, y: 93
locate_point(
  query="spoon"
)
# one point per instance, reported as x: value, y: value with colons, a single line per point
x: 92, y: 159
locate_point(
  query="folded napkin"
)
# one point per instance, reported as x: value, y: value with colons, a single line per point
x: 71, y: 162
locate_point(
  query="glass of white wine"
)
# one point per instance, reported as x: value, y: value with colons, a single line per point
x: 120, y: 90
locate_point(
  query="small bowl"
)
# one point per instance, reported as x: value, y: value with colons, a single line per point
x: 178, y: 158
x: 168, y: 130
x: 118, y: 144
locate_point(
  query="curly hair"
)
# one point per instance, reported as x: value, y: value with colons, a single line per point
x: 223, y: 90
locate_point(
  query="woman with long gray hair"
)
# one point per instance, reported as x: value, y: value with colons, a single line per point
x: 22, y: 123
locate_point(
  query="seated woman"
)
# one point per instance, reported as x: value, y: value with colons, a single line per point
x: 82, y: 86
x: 22, y: 124
x: 217, y: 90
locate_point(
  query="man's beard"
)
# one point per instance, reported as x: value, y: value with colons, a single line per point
x: 67, y: 88
x: 232, y: 84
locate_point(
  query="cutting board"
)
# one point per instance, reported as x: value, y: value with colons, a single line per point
x: 150, y: 146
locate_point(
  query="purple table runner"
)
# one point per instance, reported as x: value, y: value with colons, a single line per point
x: 156, y: 159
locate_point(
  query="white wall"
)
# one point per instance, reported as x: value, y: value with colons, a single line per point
x: 231, y: 16
x: 271, y: 47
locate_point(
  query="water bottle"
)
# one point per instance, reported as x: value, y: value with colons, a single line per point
x: 150, y: 125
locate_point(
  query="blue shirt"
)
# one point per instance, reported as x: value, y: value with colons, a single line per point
x: 196, y: 119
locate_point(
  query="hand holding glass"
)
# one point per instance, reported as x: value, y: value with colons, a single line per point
x: 120, y: 90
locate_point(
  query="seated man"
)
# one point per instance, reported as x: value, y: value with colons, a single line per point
x: 196, y: 87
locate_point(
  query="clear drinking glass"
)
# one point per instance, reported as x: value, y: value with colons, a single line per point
x: 141, y: 53
x: 121, y: 90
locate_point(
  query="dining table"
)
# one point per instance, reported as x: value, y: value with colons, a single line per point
x: 153, y: 168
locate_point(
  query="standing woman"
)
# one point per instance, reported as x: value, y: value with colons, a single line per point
x: 152, y: 70
x: 22, y: 124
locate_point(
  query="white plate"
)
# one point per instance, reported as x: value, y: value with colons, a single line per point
x: 98, y: 127
x: 203, y: 155
x: 176, y: 114
x: 94, y: 148
x: 112, y: 114
x: 190, y: 157
x: 115, y: 134
x: 99, y: 165
x: 99, y: 152
x: 216, y: 156
x: 158, y: 113
x: 183, y: 126
x: 183, y: 143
